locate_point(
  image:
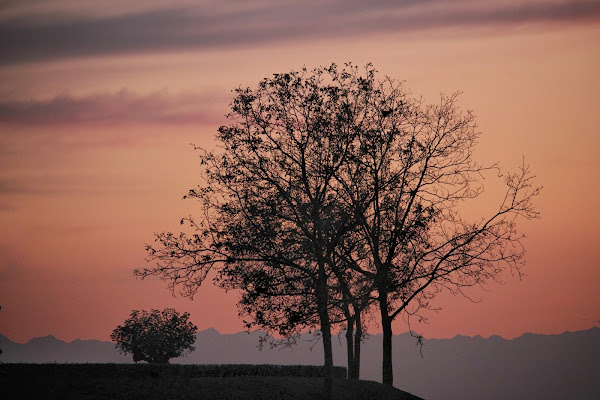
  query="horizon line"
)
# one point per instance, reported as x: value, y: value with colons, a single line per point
x: 458, y: 335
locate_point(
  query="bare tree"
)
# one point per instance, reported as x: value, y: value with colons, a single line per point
x: 414, y: 173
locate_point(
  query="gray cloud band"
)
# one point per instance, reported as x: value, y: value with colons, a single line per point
x: 32, y: 39
x: 111, y: 108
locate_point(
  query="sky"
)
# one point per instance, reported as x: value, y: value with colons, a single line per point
x: 99, y: 102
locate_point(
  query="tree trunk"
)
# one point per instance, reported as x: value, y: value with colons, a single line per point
x: 387, y: 371
x: 328, y: 359
x: 322, y: 302
x: 386, y: 325
x: 350, y: 347
x: 357, y: 343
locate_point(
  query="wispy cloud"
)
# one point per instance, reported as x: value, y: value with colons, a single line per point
x: 35, y: 185
x: 113, y: 108
x: 13, y: 189
x: 32, y: 35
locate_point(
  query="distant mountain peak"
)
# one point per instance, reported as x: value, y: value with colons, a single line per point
x: 209, y: 331
x: 48, y: 339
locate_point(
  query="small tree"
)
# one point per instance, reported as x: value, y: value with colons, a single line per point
x: 155, y: 336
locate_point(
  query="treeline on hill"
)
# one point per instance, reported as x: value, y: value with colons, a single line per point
x: 133, y: 371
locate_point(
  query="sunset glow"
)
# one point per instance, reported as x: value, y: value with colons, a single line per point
x: 99, y: 104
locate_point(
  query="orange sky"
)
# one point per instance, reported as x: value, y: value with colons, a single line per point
x: 98, y: 106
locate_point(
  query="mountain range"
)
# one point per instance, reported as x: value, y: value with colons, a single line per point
x: 532, y: 366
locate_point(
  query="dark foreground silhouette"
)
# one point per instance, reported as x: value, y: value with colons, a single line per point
x: 532, y: 366
x: 141, y: 381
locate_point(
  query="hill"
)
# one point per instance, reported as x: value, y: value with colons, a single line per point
x: 465, y: 368
x: 158, y: 382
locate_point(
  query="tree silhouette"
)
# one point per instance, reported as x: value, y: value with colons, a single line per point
x: 155, y: 336
x: 332, y: 191
x: 272, y: 216
x: 414, y: 174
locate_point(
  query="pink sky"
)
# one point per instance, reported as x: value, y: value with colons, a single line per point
x: 98, y: 105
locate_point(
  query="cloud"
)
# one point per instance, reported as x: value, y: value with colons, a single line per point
x: 15, y: 188
x: 7, y: 207
x: 45, y: 184
x: 11, y: 187
x: 113, y: 108
x: 39, y: 36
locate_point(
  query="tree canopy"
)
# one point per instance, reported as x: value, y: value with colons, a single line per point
x: 332, y: 191
x: 272, y: 216
x: 415, y: 177
x: 155, y: 336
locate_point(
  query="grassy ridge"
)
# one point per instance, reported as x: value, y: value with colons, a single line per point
x: 150, y: 382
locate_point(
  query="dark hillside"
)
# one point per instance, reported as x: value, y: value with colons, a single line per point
x: 122, y: 381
